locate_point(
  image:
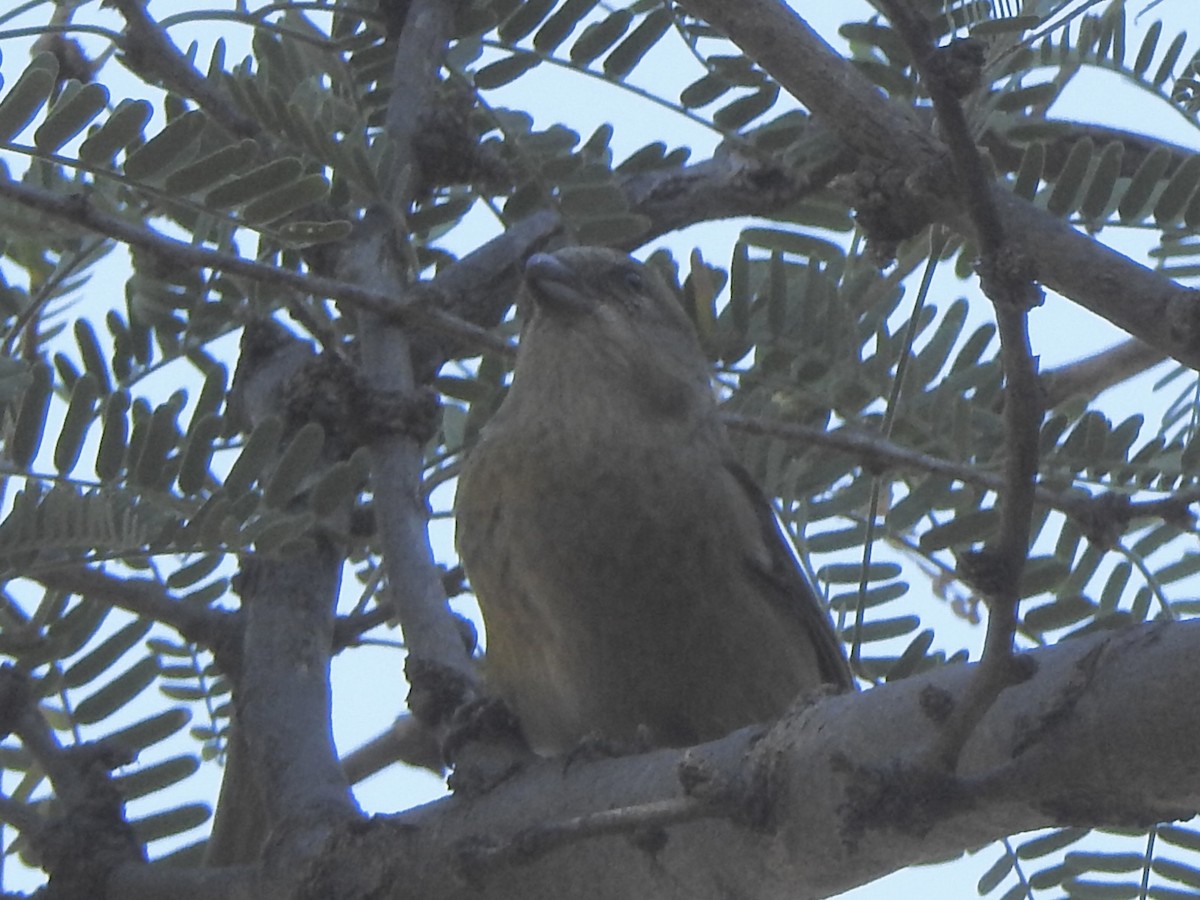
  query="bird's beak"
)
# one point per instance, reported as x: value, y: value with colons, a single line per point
x: 554, y: 286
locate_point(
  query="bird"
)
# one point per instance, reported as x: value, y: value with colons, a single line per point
x: 634, y: 583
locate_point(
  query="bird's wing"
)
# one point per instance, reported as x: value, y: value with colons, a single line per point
x: 790, y: 587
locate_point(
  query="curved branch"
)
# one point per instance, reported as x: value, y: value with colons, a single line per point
x: 1131, y: 296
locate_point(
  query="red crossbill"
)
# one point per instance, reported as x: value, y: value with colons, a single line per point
x: 633, y: 580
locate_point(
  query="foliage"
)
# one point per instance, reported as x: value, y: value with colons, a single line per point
x: 108, y: 461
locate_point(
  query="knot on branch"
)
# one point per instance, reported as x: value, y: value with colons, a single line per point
x: 437, y: 691
x: 958, y: 66
x: 330, y: 392
x: 484, y: 744
x: 1103, y: 519
x: 90, y: 814
x: 904, y: 798
x: 1008, y: 276
x: 744, y: 797
x: 988, y: 572
x: 448, y: 147
x: 890, y: 204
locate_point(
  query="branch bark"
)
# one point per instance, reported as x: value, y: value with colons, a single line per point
x: 1101, y: 735
x: 828, y: 799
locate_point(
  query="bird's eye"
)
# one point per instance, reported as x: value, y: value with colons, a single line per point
x: 633, y: 279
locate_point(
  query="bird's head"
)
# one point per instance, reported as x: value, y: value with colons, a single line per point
x: 611, y: 319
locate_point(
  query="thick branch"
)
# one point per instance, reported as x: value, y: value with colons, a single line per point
x: 282, y: 777
x: 1134, y: 298
x: 1102, y: 734
x: 150, y: 54
x: 415, y: 585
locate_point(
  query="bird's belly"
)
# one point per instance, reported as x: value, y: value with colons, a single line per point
x: 628, y: 612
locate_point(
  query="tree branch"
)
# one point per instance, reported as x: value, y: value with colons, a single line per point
x: 215, y: 629
x: 1102, y: 734
x: 1134, y: 298
x: 415, y: 587
x: 76, y: 210
x: 150, y: 54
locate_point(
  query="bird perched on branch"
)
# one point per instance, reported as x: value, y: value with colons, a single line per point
x: 633, y: 580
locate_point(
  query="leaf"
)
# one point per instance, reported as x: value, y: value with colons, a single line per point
x: 339, y: 486
x: 186, y: 576
x: 1134, y: 203
x: 1103, y: 181
x: 174, y: 821
x: 909, y: 662
x: 149, y: 779
x: 197, y: 453
x: 260, y: 447
x: 524, y: 20
x: 932, y: 357
x: 964, y: 529
x: 167, y: 150
x: 738, y: 70
x: 613, y: 230
x: 114, y: 438
x: 883, y: 629
x: 76, y: 628
x: 212, y: 394
x: 1146, y: 51
x: 308, y: 234
x: 591, y: 201
x: 212, y: 168
x: 120, y: 130
x: 703, y: 91
x: 25, y: 98
x: 1167, y: 65
x: 851, y: 573
x: 794, y: 242
x: 92, y: 355
x: 1178, y: 191
x: 1064, y: 197
x: 69, y: 116
x: 744, y: 110
x: 286, y: 200
x: 273, y: 534
x: 31, y: 419
x: 151, y: 730
x: 504, y: 71
x: 1062, y: 613
x: 1059, y: 839
x: 1176, y: 871
x: 630, y: 51
x: 599, y: 36
x: 98, y: 660
x: 1035, y: 95
x: 117, y: 693
x: 840, y: 539
x: 162, y: 435
x: 991, y: 879
x: 1029, y: 175
x: 556, y: 28
x: 257, y: 182
x: 80, y: 414
x: 875, y: 596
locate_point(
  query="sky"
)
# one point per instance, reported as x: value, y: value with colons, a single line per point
x: 1061, y: 332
